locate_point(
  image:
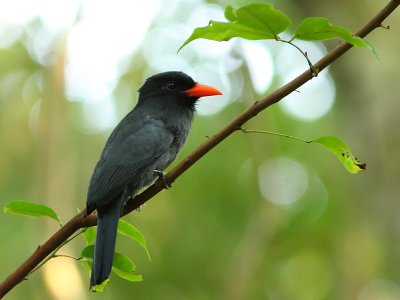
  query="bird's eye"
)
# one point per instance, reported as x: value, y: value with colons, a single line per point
x: 171, y: 86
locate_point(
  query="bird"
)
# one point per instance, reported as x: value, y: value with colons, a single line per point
x: 142, y: 145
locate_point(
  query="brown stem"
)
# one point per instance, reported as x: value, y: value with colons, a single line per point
x: 81, y: 220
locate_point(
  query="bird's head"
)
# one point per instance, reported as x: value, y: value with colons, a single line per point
x: 175, y: 88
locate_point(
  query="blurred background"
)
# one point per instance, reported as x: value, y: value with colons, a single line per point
x: 260, y: 217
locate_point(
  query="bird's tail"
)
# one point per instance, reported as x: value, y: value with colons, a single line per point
x: 107, y: 223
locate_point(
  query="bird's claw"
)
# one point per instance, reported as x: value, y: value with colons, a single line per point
x: 161, y: 175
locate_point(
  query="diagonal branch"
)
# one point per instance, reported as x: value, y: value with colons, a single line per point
x: 81, y: 220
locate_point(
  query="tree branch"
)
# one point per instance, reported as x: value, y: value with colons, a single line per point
x: 81, y: 220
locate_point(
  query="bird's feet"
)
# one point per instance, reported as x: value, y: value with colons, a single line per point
x: 161, y: 175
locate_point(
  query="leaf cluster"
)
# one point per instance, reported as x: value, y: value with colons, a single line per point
x: 122, y: 265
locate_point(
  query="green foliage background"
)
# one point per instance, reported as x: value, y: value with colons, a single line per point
x: 213, y: 236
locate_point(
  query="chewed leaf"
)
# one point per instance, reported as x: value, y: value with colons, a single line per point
x: 31, y: 209
x: 251, y: 22
x: 319, y: 29
x: 342, y: 152
x: 127, y: 229
x: 332, y: 143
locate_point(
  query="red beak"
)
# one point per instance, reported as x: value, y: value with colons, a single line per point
x: 201, y: 90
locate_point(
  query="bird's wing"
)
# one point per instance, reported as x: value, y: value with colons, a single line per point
x: 125, y: 160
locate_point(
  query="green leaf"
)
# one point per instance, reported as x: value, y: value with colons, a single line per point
x: 87, y: 265
x: 251, y: 22
x: 125, y: 268
x: 128, y: 275
x: 127, y: 229
x: 123, y: 263
x: 120, y: 261
x: 90, y: 235
x: 31, y: 209
x: 320, y: 29
x: 342, y: 152
x: 88, y: 251
x: 230, y: 14
x: 100, y: 287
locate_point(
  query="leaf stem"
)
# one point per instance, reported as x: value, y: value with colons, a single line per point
x: 313, y: 70
x: 275, y: 133
x: 53, y: 254
x: 68, y: 256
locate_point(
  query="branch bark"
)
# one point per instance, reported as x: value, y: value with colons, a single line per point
x: 81, y: 220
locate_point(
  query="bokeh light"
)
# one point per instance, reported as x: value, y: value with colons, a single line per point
x: 313, y: 100
x: 63, y: 280
x: 304, y: 276
x: 260, y: 64
x: 282, y: 180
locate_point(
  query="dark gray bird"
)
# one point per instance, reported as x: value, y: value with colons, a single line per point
x: 142, y: 145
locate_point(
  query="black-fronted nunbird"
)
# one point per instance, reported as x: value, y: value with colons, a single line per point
x: 142, y: 145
